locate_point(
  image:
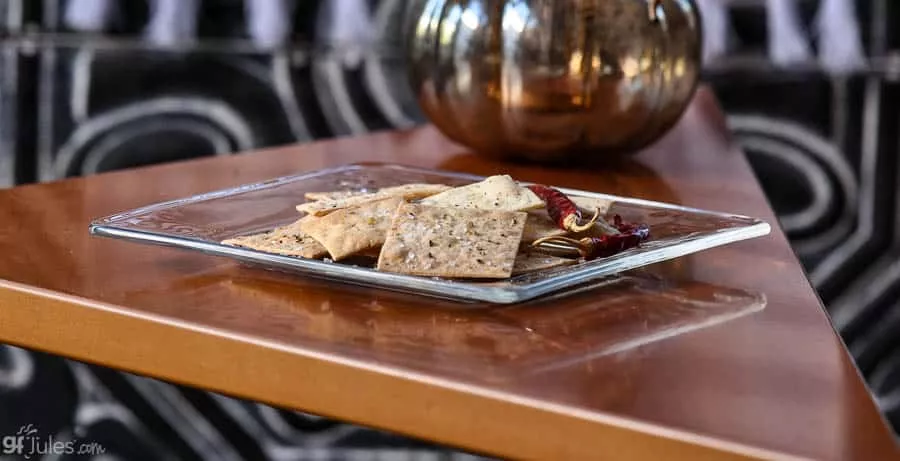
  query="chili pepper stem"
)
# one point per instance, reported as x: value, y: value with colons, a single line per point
x: 571, y: 222
x: 578, y: 244
x: 556, y: 238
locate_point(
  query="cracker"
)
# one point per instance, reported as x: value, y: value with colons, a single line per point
x: 407, y: 192
x: 588, y: 205
x: 324, y: 207
x: 539, y: 225
x: 452, y: 242
x: 494, y: 193
x: 349, y: 231
x: 287, y: 240
x: 411, y: 191
x: 533, y: 261
x: 334, y: 195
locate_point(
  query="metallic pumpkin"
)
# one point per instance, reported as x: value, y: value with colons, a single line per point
x: 551, y: 80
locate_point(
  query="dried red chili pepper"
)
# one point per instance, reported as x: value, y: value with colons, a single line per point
x: 627, y: 228
x: 562, y: 209
x: 607, y: 245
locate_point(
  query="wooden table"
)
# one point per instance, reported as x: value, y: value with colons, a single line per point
x: 774, y: 383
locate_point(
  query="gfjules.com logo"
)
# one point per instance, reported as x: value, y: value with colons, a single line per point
x: 28, y: 443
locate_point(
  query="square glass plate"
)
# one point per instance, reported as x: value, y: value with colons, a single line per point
x: 202, y: 221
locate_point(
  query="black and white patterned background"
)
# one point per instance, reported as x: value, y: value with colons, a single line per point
x: 81, y: 94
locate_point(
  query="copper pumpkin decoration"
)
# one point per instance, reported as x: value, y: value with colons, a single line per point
x: 551, y: 80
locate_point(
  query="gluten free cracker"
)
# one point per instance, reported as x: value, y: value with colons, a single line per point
x: 349, y: 231
x: 411, y: 191
x: 289, y: 240
x: 452, y: 242
x: 588, y: 205
x: 494, y: 193
x: 539, y: 225
x: 407, y: 192
x: 334, y: 195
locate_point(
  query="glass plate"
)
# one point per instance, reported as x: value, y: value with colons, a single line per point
x: 202, y: 221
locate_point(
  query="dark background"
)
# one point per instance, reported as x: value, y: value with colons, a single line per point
x: 824, y: 147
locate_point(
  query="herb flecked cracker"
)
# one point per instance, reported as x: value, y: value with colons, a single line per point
x: 408, y: 192
x: 451, y: 242
x: 349, y: 231
x: 289, y: 240
x: 494, y: 193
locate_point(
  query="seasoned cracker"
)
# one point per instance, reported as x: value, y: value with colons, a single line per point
x: 407, y: 192
x: 494, y: 193
x: 324, y: 207
x: 452, y: 242
x: 539, y: 225
x: 349, y: 231
x: 287, y: 240
x: 532, y: 261
x: 588, y: 205
x: 411, y: 191
x: 334, y: 195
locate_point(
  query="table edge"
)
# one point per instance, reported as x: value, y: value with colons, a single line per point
x: 674, y: 442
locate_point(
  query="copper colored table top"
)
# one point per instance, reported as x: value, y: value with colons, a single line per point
x: 592, y: 375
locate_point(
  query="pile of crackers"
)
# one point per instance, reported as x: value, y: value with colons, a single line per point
x: 478, y: 231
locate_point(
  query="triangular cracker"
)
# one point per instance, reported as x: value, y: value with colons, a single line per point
x: 287, y: 240
x: 532, y: 261
x: 408, y: 192
x: 411, y: 191
x: 588, y: 205
x: 323, y: 207
x: 334, y: 195
x: 452, y: 242
x: 539, y: 225
x: 349, y: 231
x: 494, y: 193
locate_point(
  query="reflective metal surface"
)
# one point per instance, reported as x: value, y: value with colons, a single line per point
x: 554, y: 79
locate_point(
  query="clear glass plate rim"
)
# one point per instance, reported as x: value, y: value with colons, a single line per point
x: 585, y: 272
x: 282, y: 180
